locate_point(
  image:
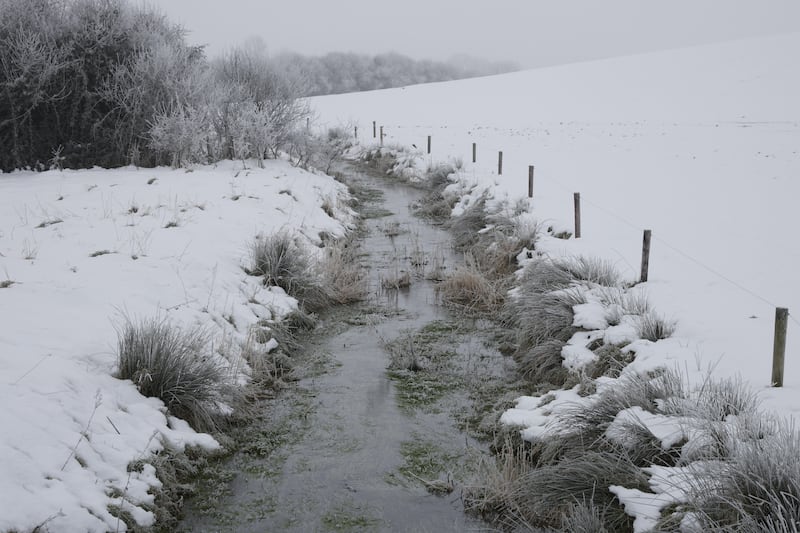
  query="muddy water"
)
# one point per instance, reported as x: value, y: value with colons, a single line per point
x: 339, y: 435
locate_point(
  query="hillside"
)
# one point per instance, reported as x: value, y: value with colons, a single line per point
x: 700, y: 145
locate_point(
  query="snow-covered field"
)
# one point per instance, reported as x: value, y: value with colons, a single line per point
x: 701, y: 145
x: 84, y: 248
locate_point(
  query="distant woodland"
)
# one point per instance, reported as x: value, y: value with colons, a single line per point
x: 341, y: 73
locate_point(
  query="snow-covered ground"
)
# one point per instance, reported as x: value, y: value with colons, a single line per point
x: 177, y: 241
x: 701, y: 145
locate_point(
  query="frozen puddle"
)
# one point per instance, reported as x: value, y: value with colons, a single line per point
x: 336, y: 452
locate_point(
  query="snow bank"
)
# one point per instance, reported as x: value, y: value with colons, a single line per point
x: 84, y: 247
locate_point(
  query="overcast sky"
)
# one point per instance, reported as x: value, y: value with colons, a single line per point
x: 528, y: 32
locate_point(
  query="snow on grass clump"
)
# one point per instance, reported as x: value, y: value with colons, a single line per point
x: 71, y: 429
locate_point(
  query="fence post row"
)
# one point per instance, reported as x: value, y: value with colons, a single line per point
x: 381, y: 135
x: 779, y: 346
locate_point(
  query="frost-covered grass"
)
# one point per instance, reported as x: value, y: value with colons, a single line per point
x: 175, y: 366
x: 592, y: 269
x: 281, y: 262
x: 470, y: 290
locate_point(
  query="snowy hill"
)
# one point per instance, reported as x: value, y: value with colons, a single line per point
x: 701, y: 145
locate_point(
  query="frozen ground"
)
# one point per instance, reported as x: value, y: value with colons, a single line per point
x: 85, y: 248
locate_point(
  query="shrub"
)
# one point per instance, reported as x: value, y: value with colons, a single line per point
x: 175, y: 366
x: 331, y: 147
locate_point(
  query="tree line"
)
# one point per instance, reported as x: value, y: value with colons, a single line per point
x: 338, y: 72
x: 107, y: 83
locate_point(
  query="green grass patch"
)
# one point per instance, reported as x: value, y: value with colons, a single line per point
x: 351, y: 517
x: 422, y: 389
x: 428, y: 464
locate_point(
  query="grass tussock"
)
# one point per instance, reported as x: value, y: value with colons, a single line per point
x: 753, y: 487
x: 176, y: 366
x: 561, y: 482
x: 281, y: 262
x: 654, y: 327
x: 465, y: 227
x: 469, y: 290
x: 543, y: 365
x: 537, y: 317
x: 611, y: 359
x: 336, y: 279
x: 342, y: 275
x: 548, y: 493
x: 436, y: 206
x: 583, y: 517
x: 592, y: 270
x: 499, y: 244
x: 543, y: 275
x: 400, y: 279
x: 737, y: 469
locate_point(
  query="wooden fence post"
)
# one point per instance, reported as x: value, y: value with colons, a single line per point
x: 374, y: 130
x: 530, y: 181
x: 429, y: 144
x: 474, y: 151
x: 779, y: 346
x: 381, y: 135
x: 577, y: 199
x: 499, y: 163
x: 645, y: 255
x: 355, y: 132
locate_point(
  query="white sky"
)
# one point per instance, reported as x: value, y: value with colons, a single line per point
x: 529, y: 32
